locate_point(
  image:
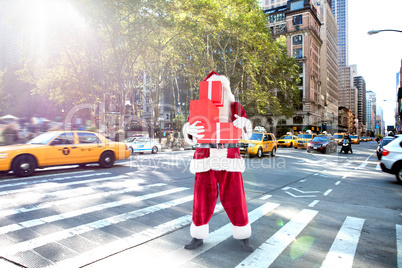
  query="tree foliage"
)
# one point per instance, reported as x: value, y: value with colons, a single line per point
x: 105, y: 55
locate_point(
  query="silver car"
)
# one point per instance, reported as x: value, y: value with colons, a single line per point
x: 142, y: 145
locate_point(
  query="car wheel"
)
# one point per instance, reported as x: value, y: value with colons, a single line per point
x: 154, y: 150
x: 131, y: 150
x: 398, y: 173
x: 107, y: 159
x: 295, y: 147
x: 259, y: 153
x: 273, y: 152
x: 24, y: 165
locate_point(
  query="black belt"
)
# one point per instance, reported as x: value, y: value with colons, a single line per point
x: 218, y: 145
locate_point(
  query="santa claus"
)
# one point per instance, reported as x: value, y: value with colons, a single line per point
x: 218, y: 170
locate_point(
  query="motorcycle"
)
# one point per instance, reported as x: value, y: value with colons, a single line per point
x: 345, y: 146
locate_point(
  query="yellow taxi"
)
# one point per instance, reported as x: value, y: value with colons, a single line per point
x: 287, y: 140
x: 355, y: 139
x: 61, y: 148
x: 338, y: 137
x: 303, y: 139
x: 258, y: 144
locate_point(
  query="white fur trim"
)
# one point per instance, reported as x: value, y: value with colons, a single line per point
x: 227, y: 164
x: 199, y: 232
x: 241, y: 232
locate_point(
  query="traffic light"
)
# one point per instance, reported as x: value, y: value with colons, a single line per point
x: 167, y: 116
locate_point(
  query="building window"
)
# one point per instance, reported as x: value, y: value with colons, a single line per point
x: 296, y: 5
x: 298, y: 53
x: 297, y: 39
x: 298, y: 120
x: 279, y: 29
x: 297, y: 20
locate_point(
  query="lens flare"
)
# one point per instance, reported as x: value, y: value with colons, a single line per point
x: 301, y: 246
x: 280, y: 222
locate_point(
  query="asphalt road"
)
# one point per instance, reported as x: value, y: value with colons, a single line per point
x: 305, y: 209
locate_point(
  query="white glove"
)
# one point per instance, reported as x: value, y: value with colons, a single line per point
x: 245, y: 125
x: 192, y: 132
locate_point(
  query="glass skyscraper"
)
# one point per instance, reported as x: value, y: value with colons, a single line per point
x: 340, y: 10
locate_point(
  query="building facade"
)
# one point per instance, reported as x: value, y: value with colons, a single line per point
x: 299, y: 22
x: 340, y: 10
x: 329, y: 66
x: 371, y: 112
x: 360, y: 84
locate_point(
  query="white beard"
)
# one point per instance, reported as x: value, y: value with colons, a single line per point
x: 225, y: 115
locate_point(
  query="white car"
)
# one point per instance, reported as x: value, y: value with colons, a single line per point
x: 142, y: 145
x: 391, y: 160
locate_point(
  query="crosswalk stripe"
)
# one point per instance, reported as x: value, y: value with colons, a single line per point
x: 51, y: 185
x: 85, y: 193
x: 57, y: 236
x: 70, y: 214
x: 181, y: 255
x: 399, y: 245
x: 31, y: 179
x: 266, y: 254
x: 342, y: 251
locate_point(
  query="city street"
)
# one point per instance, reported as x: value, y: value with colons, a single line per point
x: 305, y: 209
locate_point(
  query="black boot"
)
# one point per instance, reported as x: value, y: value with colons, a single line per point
x: 195, y: 243
x: 246, y: 245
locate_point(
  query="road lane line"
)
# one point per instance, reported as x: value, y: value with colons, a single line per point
x: 267, y: 253
x: 79, y: 212
x: 337, y: 183
x: 328, y: 192
x: 50, y: 184
x: 180, y: 256
x: 86, y: 193
x: 266, y: 197
x: 378, y: 167
x: 60, y: 235
x: 312, y: 204
x: 399, y: 245
x: 343, y: 249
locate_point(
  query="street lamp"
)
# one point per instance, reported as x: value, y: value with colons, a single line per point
x: 377, y: 31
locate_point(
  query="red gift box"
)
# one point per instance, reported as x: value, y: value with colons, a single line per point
x: 212, y: 90
x: 204, y: 111
x: 222, y: 133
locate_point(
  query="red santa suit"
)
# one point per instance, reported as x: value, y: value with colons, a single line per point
x: 218, y: 170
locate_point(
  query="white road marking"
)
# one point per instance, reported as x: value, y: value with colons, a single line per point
x: 86, y: 193
x: 342, y: 251
x: 328, y: 192
x: 266, y: 254
x: 57, y: 236
x: 337, y: 183
x: 180, y: 256
x: 74, y: 213
x: 378, y: 167
x: 312, y: 204
x: 266, y: 197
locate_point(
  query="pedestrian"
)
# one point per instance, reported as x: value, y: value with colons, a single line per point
x: 218, y: 170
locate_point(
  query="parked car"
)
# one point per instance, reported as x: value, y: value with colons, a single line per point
x: 384, y: 141
x: 258, y: 144
x: 303, y: 139
x: 323, y: 144
x: 142, y: 145
x: 391, y: 160
x: 61, y: 148
x: 287, y: 140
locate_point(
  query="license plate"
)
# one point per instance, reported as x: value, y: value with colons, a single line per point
x: 315, y: 147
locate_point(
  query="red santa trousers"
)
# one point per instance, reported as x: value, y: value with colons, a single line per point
x: 230, y: 187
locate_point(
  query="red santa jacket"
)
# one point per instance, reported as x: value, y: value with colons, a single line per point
x: 228, y: 159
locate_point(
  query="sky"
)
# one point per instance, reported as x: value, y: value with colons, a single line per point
x: 378, y: 57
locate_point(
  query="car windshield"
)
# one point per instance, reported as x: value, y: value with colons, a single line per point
x: 286, y: 137
x: 338, y: 136
x: 130, y: 139
x: 256, y: 137
x: 386, y: 141
x: 43, y: 138
x: 305, y: 136
x: 321, y: 139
